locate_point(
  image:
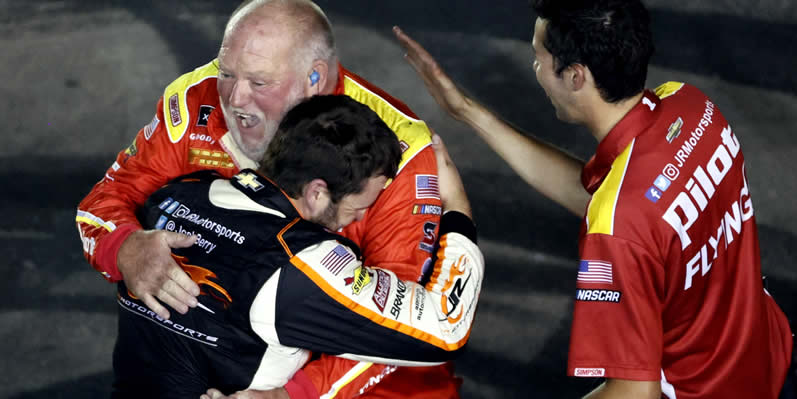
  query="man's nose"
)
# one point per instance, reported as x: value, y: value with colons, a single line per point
x: 240, y: 94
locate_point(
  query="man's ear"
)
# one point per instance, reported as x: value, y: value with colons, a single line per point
x: 317, y: 78
x: 315, y: 198
x: 576, y: 76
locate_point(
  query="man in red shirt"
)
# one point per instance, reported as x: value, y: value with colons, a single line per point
x: 669, y: 295
x: 222, y: 116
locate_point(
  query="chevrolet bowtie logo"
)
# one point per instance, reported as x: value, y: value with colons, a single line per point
x: 249, y: 180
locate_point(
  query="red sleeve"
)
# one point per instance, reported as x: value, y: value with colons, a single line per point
x: 106, y: 216
x: 399, y: 231
x: 617, y: 325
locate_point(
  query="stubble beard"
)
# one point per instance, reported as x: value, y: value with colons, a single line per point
x: 328, y: 218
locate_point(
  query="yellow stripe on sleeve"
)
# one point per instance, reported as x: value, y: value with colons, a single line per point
x: 600, y: 216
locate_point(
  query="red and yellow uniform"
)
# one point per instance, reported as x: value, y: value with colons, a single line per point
x: 669, y: 286
x: 188, y: 134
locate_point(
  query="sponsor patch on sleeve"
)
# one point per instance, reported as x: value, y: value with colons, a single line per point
x: 595, y: 271
x: 204, y: 115
x: 427, y: 209
x: 429, y: 237
x: 359, y: 280
x: 426, y: 187
x: 337, y: 259
x: 382, y: 290
x: 583, y: 372
x: 598, y: 295
x: 174, y: 110
x: 149, y: 129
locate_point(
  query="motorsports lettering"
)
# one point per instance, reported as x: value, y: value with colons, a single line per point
x: 179, y: 211
x: 145, y: 312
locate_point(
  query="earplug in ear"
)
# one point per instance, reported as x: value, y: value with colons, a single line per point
x: 314, y: 77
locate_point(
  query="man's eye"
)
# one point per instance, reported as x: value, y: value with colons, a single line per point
x: 224, y: 75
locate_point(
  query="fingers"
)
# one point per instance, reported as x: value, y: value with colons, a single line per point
x: 184, y: 286
x: 416, y: 55
x: 415, y: 52
x: 154, y: 305
x: 212, y: 394
x: 180, y: 304
x: 440, y: 151
x: 177, y: 240
x: 151, y: 273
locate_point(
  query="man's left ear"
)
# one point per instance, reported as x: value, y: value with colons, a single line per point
x: 316, y: 78
x: 576, y: 75
x: 315, y: 198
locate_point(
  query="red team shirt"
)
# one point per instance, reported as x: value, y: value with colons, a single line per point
x: 188, y: 133
x: 669, y: 284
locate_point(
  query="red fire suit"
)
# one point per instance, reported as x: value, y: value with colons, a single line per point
x: 188, y: 133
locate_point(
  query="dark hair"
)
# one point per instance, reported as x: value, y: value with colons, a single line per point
x: 611, y: 37
x: 332, y: 138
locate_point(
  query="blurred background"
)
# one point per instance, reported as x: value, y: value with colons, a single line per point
x: 80, y: 78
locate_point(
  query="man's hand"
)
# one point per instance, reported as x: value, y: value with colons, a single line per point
x: 276, y: 393
x: 150, y: 272
x: 440, y: 86
x: 452, y: 191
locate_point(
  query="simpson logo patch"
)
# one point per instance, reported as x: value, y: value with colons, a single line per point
x: 598, y: 372
x: 204, y: 115
x: 404, y: 146
x: 174, y: 110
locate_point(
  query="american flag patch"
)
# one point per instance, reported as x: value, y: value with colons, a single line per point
x: 595, y: 271
x: 336, y: 259
x: 426, y: 187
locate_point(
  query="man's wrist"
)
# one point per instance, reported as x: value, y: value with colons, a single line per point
x: 108, y: 250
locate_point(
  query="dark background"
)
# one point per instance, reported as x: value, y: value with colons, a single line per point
x: 80, y: 78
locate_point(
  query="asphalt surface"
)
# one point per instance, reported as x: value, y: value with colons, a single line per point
x: 80, y: 78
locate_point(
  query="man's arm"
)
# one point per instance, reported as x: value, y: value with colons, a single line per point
x: 551, y: 171
x: 626, y: 389
x: 113, y: 241
x: 368, y: 314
